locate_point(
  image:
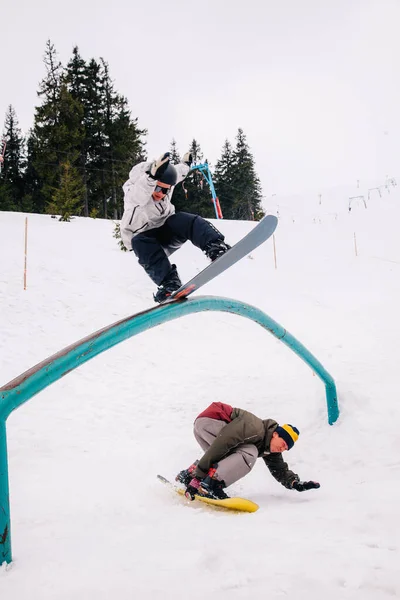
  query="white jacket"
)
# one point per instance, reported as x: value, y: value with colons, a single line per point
x: 141, y: 212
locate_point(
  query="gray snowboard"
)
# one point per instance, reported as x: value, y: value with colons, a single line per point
x: 261, y: 232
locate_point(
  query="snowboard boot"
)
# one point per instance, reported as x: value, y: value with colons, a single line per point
x: 170, y: 284
x: 186, y: 475
x: 212, y: 488
x: 215, y: 249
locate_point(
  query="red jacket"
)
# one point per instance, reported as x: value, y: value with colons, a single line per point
x: 218, y: 411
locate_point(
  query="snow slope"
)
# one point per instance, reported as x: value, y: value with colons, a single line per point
x: 89, y: 518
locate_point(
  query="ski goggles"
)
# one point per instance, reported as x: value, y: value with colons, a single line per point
x: 162, y: 190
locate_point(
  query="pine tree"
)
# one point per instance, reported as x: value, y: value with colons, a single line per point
x: 67, y: 198
x: 223, y: 180
x: 32, y: 182
x: 12, y: 181
x: 81, y: 121
x: 179, y: 198
x: 198, y: 191
x: 175, y: 157
x: 113, y: 141
x: 118, y: 237
x: 123, y: 147
x: 58, y: 131
x: 92, y: 98
x: 246, y: 185
x: 76, y: 79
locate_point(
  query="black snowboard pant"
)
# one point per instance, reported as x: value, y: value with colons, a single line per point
x: 153, y: 247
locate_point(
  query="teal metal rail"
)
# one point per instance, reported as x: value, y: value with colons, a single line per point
x: 22, y: 388
x: 205, y: 171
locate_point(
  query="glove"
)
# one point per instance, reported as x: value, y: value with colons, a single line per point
x: 301, y: 486
x: 158, y: 166
x: 188, y: 159
x: 192, y: 488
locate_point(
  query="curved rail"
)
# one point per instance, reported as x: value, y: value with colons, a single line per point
x: 22, y: 388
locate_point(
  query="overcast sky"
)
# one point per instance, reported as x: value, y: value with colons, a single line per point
x: 315, y: 84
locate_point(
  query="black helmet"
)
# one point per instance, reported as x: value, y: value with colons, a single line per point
x: 170, y: 175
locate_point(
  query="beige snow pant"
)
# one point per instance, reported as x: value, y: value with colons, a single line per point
x: 237, y: 463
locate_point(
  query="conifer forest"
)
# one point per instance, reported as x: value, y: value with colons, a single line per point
x: 84, y: 141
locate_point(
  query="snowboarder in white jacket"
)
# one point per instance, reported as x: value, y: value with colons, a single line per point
x: 151, y: 228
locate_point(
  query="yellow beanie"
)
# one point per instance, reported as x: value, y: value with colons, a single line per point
x: 289, y: 433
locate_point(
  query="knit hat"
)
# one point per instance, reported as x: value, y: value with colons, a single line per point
x: 289, y: 433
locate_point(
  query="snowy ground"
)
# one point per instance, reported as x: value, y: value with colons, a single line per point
x: 89, y: 518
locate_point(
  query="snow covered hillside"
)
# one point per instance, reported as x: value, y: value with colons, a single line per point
x: 89, y: 518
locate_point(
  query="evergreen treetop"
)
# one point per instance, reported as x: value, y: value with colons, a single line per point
x: 84, y: 132
x: 12, y: 174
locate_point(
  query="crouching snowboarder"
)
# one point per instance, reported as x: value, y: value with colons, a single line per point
x: 151, y: 228
x: 232, y: 439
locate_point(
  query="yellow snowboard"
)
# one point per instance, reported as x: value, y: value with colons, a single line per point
x: 238, y: 504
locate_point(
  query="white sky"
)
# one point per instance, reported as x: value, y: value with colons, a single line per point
x: 90, y: 520
x: 313, y: 83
